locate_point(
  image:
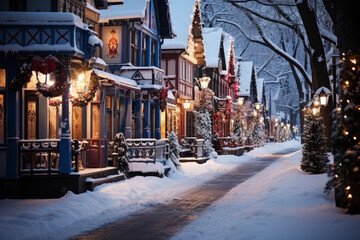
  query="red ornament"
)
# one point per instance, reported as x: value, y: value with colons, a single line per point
x: 52, y: 63
x: 44, y: 68
x: 35, y: 63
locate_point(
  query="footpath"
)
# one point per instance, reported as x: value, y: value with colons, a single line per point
x: 164, y: 220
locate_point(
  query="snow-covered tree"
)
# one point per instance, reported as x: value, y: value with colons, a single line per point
x: 237, y: 132
x: 204, y: 129
x: 314, y: 158
x: 249, y: 138
x: 174, y: 149
x: 257, y: 135
x: 345, y: 172
x: 121, y: 147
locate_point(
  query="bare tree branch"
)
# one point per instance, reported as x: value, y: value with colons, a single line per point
x: 264, y: 3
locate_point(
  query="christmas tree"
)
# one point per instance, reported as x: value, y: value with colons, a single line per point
x: 314, y: 158
x: 257, y: 135
x: 237, y: 132
x: 174, y: 149
x: 231, y: 64
x: 204, y: 129
x: 344, y: 173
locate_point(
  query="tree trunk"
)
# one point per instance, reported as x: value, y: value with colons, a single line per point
x: 320, y: 76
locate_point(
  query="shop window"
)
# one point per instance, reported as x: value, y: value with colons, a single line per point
x: 108, y: 117
x: 134, y: 47
x: 53, y: 123
x: 31, y: 115
x: 77, y: 123
x: 2, y: 104
x: 95, y: 120
x: 118, y: 121
x: 153, y: 52
x: 144, y: 50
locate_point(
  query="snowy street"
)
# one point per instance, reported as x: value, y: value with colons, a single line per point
x: 269, y: 205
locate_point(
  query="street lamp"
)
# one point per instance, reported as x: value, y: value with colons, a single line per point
x: 258, y: 106
x: 323, y: 94
x: 240, y: 101
x: 186, y: 105
x: 204, y: 82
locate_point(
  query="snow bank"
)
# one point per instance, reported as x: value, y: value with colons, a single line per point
x: 74, y: 214
x: 281, y: 202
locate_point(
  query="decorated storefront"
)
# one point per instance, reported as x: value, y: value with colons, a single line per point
x: 47, y: 64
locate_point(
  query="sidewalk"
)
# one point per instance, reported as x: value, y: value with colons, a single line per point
x: 162, y: 221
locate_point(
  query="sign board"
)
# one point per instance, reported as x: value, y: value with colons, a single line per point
x: 111, y: 37
x: 143, y: 75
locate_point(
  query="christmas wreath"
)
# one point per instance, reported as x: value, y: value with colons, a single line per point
x: 23, y: 76
x: 90, y: 94
x: 46, y: 66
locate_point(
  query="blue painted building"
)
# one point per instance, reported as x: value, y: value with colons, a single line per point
x: 132, y: 34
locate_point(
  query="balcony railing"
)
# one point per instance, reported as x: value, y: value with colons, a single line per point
x: 148, y: 150
x: 39, y: 157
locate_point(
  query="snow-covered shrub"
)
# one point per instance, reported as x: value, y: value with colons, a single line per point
x: 204, y: 130
x: 174, y: 149
x: 122, y: 161
x: 237, y: 133
x: 314, y: 158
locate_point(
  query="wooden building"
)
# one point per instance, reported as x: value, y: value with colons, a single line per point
x: 182, y: 59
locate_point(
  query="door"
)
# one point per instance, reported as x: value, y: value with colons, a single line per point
x: 31, y: 120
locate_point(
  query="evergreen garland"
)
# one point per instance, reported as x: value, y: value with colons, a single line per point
x: 314, y: 158
x: 344, y: 173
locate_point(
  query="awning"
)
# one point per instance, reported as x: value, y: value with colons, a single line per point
x: 120, y: 81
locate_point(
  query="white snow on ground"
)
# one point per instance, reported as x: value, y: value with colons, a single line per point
x: 291, y: 198
x: 281, y: 202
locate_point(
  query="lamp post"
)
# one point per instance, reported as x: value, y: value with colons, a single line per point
x: 204, y: 83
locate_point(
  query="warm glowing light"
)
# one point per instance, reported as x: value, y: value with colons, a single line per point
x: 353, y: 68
x: 346, y: 133
x: 353, y: 61
x: 349, y: 196
x: 240, y: 101
x: 347, y: 188
x: 336, y: 175
x: 348, y: 101
x: 204, y: 82
x: 186, y: 105
x: 255, y: 113
x: 315, y: 111
x: 343, y: 54
x: 347, y: 82
x: 257, y: 106
x: 316, y: 103
x: 345, y: 116
x: 354, y: 138
x: 323, y: 100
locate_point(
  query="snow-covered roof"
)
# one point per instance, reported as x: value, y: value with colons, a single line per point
x: 260, y: 86
x: 227, y: 47
x: 245, y: 77
x: 212, y: 40
x: 129, y: 10
x: 121, y: 81
x: 181, y: 18
x: 40, y: 18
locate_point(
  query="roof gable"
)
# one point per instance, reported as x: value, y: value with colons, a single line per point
x: 212, y: 41
x: 246, y: 72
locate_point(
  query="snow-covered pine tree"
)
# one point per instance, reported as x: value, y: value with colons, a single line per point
x: 345, y: 172
x: 122, y: 161
x: 174, y: 149
x: 204, y: 129
x: 282, y: 134
x: 237, y: 132
x: 314, y: 158
x: 257, y: 135
x: 249, y: 138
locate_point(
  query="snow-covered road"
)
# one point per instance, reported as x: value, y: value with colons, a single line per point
x: 259, y: 207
